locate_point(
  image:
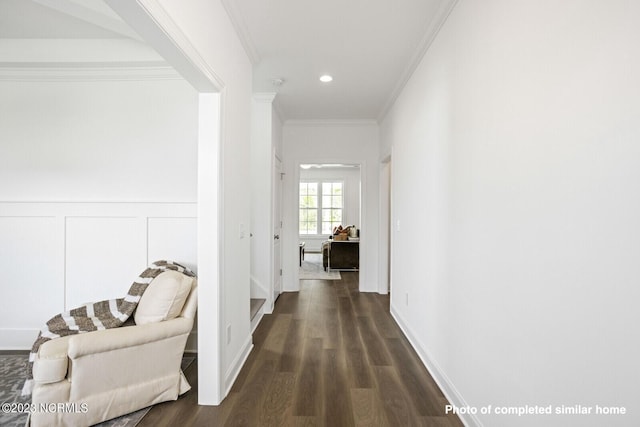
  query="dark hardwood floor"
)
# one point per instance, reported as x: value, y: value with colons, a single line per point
x: 327, y: 356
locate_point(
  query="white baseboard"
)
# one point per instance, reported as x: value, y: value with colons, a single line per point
x: 233, y: 371
x: 256, y: 319
x: 447, y: 387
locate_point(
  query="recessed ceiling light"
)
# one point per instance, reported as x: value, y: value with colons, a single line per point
x: 326, y: 78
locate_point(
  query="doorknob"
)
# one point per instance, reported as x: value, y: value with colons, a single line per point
x: 276, y: 236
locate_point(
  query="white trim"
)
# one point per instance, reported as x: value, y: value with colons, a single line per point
x: 295, y: 206
x: 209, y: 249
x: 330, y: 123
x: 384, y: 227
x: 257, y: 319
x: 237, y: 364
x: 266, y: 97
x: 448, y: 389
x: 99, y: 209
x: 430, y: 35
x: 81, y: 71
x: 276, y: 210
x: 237, y: 20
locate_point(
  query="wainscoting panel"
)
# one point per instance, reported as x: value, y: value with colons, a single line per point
x: 55, y: 256
x: 103, y: 257
x: 31, y: 255
x: 173, y: 239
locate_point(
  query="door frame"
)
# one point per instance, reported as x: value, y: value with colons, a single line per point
x: 292, y: 245
x: 385, y: 235
x: 150, y: 20
x: 276, y: 202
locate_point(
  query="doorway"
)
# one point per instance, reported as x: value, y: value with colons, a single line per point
x: 329, y: 197
x: 159, y: 31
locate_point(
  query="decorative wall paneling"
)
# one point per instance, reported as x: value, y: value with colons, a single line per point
x: 56, y: 256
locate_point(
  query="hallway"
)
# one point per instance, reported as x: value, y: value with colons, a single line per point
x: 328, y: 355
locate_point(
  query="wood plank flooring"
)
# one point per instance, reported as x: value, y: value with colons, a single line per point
x: 327, y: 356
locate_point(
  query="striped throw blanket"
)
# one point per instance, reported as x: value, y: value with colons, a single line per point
x: 105, y: 314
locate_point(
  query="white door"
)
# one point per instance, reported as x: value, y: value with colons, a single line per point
x: 277, y: 228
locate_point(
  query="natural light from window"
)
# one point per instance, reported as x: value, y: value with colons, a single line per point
x: 321, y: 206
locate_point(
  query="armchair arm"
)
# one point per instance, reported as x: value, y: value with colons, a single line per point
x: 129, y: 336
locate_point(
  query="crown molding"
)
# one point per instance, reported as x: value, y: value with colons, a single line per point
x: 330, y: 123
x: 267, y: 97
x: 73, y: 72
x: 237, y: 20
x: 430, y: 35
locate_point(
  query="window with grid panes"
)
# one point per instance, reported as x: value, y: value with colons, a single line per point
x: 321, y: 207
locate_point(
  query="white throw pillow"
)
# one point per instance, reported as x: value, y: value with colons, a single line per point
x: 164, y: 298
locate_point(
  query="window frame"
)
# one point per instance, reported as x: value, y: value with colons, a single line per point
x: 319, y: 205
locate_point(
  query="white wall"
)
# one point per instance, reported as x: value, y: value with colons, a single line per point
x: 99, y: 181
x: 98, y: 141
x: 331, y: 142
x: 515, y: 184
x: 207, y: 27
x: 351, y: 210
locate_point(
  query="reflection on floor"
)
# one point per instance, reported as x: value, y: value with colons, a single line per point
x: 328, y: 355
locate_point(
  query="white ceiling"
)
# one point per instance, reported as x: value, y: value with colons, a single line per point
x: 370, y: 47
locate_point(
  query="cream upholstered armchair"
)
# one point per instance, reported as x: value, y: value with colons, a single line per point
x: 104, y: 374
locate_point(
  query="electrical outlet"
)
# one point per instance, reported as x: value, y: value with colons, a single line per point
x: 228, y: 333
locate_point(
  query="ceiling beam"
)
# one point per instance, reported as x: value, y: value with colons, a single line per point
x: 160, y: 31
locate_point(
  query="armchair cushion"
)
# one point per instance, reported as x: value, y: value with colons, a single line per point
x: 164, y: 299
x: 52, y: 361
